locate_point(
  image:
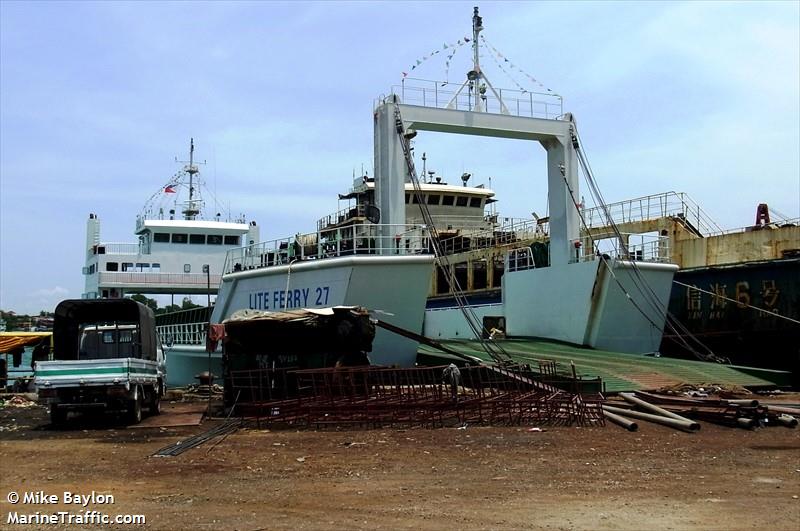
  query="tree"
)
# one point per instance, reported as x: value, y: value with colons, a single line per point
x: 150, y: 303
x: 188, y: 304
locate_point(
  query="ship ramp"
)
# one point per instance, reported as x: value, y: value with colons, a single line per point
x: 618, y: 371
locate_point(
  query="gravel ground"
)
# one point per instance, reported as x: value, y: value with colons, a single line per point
x: 448, y: 478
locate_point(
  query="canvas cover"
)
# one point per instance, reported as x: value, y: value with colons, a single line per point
x: 72, y: 314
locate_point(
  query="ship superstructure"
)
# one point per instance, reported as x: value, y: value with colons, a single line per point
x: 179, y: 251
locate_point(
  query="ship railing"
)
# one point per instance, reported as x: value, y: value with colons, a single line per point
x: 355, y: 239
x: 182, y: 334
x: 108, y: 278
x: 497, y: 231
x: 640, y: 248
x: 636, y: 247
x: 793, y: 222
x: 446, y: 95
x: 459, y: 223
x: 650, y: 207
x: 340, y: 216
x: 115, y: 248
x: 519, y: 259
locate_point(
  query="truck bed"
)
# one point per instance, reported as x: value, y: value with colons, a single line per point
x: 69, y: 373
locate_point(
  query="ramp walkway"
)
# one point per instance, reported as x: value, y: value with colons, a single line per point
x: 619, y: 372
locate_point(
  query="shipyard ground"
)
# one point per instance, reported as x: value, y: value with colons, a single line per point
x: 449, y: 478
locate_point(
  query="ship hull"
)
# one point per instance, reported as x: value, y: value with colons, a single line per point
x: 732, y: 330
x: 595, y: 304
x: 395, y: 287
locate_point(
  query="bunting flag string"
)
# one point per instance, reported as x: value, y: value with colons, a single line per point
x: 508, y: 75
x: 452, y: 48
x: 511, y: 65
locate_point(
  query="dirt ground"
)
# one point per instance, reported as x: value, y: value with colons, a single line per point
x: 448, y: 478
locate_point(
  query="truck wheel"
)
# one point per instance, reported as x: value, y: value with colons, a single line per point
x: 58, y: 416
x: 155, y: 402
x: 135, y: 410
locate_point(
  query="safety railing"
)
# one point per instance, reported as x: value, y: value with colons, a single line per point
x: 446, y: 95
x: 116, y: 248
x: 355, y: 239
x: 182, y: 334
x: 341, y: 216
x: 640, y: 248
x: 107, y: 278
x: 650, y: 207
x: 519, y: 259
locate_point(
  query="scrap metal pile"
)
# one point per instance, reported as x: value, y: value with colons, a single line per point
x: 422, y: 396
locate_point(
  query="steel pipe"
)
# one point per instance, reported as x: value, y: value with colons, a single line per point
x: 628, y: 424
x: 747, y: 403
x: 787, y: 420
x: 747, y: 424
x: 782, y: 409
x: 687, y: 425
x: 653, y: 408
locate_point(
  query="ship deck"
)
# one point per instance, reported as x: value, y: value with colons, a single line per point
x: 618, y: 371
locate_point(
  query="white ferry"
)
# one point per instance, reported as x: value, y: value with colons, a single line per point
x: 180, y: 252
x: 379, y: 251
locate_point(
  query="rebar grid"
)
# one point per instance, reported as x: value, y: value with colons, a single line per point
x: 374, y: 397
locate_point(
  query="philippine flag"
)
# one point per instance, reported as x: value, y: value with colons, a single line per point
x: 169, y: 189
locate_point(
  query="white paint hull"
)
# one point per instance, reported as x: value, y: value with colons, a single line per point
x: 582, y: 303
x: 394, y: 286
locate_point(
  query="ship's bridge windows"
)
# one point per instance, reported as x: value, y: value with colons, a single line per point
x: 433, y: 199
x: 127, y: 266
x: 215, y: 239
x: 112, y: 266
x: 461, y: 200
x: 141, y: 267
x: 415, y: 199
x: 161, y: 237
x: 448, y: 200
x: 408, y: 198
x: 180, y: 238
x: 197, y: 238
x: 475, y: 202
x: 231, y: 240
x: 155, y: 268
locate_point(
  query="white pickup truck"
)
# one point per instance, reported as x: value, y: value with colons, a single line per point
x: 106, y: 356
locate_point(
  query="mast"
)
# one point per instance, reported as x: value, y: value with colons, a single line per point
x: 477, y: 26
x: 477, y: 83
x: 191, y: 211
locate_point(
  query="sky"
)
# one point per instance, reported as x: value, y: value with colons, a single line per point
x: 97, y: 100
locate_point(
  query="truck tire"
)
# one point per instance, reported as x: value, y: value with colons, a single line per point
x: 155, y: 401
x: 135, y: 409
x: 58, y: 416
